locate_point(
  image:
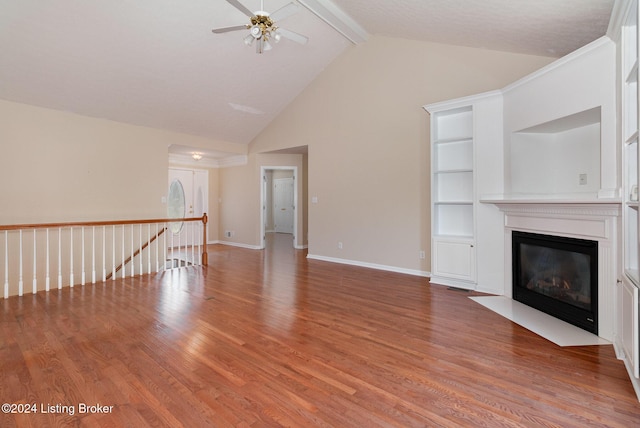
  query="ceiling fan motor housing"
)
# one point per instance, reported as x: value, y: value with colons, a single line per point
x: 262, y: 22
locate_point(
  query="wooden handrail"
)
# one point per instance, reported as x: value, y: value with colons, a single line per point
x: 100, y: 223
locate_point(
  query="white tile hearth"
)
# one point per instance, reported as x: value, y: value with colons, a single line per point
x: 552, y: 329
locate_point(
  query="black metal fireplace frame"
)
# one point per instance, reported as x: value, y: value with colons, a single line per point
x: 585, y: 319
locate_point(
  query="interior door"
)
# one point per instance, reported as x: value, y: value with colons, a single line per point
x: 283, y: 209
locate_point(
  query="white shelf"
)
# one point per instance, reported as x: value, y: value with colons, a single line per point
x: 453, y: 186
x: 453, y: 202
x: 467, y: 139
x: 453, y: 125
x: 449, y: 171
x: 453, y: 219
x: 453, y: 156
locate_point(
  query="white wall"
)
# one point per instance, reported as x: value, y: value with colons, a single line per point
x: 367, y: 134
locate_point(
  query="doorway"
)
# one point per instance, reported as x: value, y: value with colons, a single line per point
x: 187, y: 197
x: 279, y: 202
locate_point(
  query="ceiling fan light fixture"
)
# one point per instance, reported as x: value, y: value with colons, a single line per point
x: 262, y: 26
x: 256, y: 32
x: 249, y: 40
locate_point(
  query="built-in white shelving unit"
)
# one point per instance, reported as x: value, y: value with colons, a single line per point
x: 458, y: 146
x: 627, y: 339
x: 453, y: 173
x: 452, y: 197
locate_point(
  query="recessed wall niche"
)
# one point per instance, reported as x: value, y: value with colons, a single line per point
x: 557, y: 158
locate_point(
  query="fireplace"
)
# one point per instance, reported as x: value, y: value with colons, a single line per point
x: 557, y: 275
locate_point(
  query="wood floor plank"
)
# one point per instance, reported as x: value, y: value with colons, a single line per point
x: 270, y: 338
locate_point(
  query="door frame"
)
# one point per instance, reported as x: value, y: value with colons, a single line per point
x: 263, y: 201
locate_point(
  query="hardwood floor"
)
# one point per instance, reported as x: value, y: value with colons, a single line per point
x: 269, y: 338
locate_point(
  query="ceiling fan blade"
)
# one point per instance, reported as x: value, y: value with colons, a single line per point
x: 284, y: 11
x: 291, y: 35
x: 240, y: 7
x: 227, y: 29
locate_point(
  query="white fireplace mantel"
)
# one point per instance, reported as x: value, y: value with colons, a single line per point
x: 596, y: 220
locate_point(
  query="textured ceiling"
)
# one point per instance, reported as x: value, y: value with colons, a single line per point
x: 537, y: 27
x: 156, y: 63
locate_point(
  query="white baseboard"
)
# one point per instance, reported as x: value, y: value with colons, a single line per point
x: 250, y: 247
x: 237, y: 244
x: 387, y: 268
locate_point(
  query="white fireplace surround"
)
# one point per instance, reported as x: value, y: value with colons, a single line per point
x: 593, y: 220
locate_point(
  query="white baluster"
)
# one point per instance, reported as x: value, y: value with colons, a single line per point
x: 124, y: 268
x: 35, y: 258
x: 47, y: 281
x: 199, y: 236
x: 83, y: 274
x: 104, y: 255
x: 113, y: 253
x: 149, y: 248
x: 71, y: 281
x: 20, y: 283
x: 93, y: 254
x: 193, y: 243
x: 157, y: 248
x: 164, y: 247
x: 140, y: 272
x: 6, y: 264
x: 133, y: 265
x: 60, y: 258
x: 173, y: 258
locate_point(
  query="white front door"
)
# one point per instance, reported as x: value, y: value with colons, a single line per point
x: 283, y: 206
x: 188, y: 190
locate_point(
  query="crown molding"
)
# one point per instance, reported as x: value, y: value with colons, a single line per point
x: 619, y: 12
x: 337, y: 19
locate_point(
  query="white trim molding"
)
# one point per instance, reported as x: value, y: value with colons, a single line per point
x: 237, y: 244
x: 387, y: 268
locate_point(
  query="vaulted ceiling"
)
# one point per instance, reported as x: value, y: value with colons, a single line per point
x: 156, y: 63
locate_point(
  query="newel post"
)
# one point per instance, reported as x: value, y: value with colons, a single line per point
x: 205, y: 255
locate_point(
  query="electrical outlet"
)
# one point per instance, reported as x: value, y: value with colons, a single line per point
x: 422, y: 255
x: 582, y: 179
x: 228, y: 234
x: 340, y: 245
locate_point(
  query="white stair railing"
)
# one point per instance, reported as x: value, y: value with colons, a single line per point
x: 79, y: 248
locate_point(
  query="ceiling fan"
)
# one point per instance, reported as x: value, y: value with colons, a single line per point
x: 262, y: 27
